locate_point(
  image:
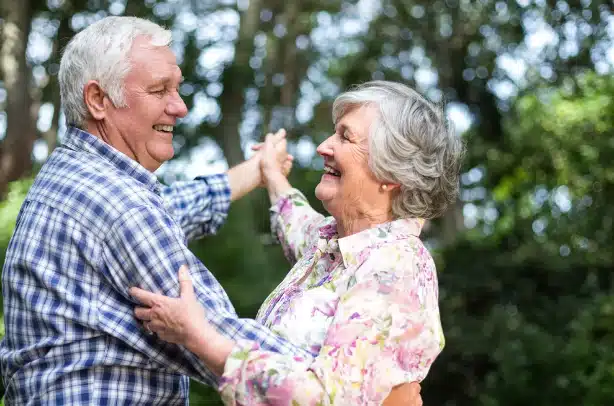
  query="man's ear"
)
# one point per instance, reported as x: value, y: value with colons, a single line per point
x: 93, y: 95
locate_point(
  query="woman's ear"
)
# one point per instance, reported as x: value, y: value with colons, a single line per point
x: 93, y: 95
x: 389, y: 186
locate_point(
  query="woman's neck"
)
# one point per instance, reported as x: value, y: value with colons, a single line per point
x: 348, y: 225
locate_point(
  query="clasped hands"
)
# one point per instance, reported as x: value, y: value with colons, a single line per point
x: 273, y: 155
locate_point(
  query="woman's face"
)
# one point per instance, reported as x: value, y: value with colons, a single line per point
x: 348, y: 188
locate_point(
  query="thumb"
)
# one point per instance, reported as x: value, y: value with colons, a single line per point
x: 185, y: 283
x: 257, y: 147
x: 280, y: 134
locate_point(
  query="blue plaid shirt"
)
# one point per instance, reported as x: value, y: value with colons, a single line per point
x: 94, y: 224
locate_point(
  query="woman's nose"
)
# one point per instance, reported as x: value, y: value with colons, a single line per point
x: 325, y: 148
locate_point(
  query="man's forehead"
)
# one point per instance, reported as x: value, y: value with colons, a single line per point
x: 159, y: 61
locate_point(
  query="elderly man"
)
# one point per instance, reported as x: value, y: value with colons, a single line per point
x: 96, y: 222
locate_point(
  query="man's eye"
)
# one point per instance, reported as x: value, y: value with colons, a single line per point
x: 159, y: 91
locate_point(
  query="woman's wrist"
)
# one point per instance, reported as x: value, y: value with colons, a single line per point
x: 211, y: 347
x: 276, y: 183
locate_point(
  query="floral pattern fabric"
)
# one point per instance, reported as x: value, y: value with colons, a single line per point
x: 365, y: 305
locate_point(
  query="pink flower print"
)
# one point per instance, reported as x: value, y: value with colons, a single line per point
x: 409, y: 358
x: 280, y: 395
x: 364, y: 254
x: 412, y: 331
x: 327, y: 309
x: 285, y: 207
x: 370, y: 387
x: 344, y: 334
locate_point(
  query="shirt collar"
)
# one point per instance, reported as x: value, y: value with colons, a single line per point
x: 79, y: 140
x: 354, y: 247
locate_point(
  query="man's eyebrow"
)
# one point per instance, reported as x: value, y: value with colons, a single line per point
x: 161, y: 80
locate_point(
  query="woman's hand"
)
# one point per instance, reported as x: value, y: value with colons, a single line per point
x: 407, y: 394
x: 181, y: 320
x: 274, y: 156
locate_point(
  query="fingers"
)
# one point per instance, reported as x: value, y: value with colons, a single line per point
x: 155, y: 326
x: 287, y: 167
x: 281, y: 146
x: 269, y: 142
x: 186, y: 289
x: 275, y: 137
x: 279, y: 135
x: 143, y: 296
x: 143, y: 313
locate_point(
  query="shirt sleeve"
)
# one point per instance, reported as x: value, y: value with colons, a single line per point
x: 295, y: 224
x: 144, y: 249
x: 199, y: 206
x: 386, y: 331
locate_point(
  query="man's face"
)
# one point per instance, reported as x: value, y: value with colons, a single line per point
x: 145, y: 125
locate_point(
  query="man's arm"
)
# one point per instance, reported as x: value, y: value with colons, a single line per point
x: 244, y: 177
x: 199, y: 206
x: 144, y: 248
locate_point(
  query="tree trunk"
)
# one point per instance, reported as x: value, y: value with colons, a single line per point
x: 288, y: 91
x: 61, y: 40
x: 236, y: 79
x: 267, y: 93
x: 16, y: 148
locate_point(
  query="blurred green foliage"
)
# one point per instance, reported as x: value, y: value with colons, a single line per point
x: 525, y: 260
x: 528, y: 311
x: 526, y: 294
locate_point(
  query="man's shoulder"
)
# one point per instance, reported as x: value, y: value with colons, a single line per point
x: 88, y: 188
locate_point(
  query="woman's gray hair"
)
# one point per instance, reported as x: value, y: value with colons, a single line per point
x: 410, y: 143
x: 101, y: 52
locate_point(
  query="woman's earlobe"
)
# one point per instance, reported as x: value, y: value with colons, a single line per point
x: 385, y: 187
x: 93, y: 96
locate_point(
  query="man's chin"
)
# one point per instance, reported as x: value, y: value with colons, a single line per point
x: 159, y: 155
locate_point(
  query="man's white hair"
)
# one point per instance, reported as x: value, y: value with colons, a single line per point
x: 410, y: 143
x: 101, y: 52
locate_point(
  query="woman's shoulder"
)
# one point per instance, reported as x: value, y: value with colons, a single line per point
x: 405, y: 257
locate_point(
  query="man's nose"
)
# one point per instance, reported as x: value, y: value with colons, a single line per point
x: 176, y: 106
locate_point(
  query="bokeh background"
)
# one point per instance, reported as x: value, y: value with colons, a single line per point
x: 525, y: 258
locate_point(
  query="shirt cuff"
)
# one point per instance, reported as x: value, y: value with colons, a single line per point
x: 289, y: 196
x: 233, y: 375
x: 219, y: 193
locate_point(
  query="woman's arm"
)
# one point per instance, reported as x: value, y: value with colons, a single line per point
x: 385, y: 333
x: 293, y: 221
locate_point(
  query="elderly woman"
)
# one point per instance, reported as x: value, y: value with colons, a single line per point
x: 362, y: 294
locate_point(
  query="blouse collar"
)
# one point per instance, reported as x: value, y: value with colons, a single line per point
x: 354, y: 248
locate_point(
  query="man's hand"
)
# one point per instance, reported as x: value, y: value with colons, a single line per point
x: 407, y: 394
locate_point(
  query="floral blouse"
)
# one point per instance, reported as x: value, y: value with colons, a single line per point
x: 365, y: 305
